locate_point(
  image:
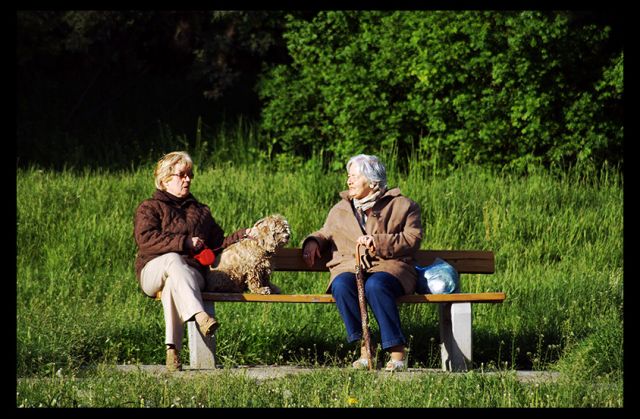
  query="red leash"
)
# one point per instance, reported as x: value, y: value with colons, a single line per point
x: 207, y: 257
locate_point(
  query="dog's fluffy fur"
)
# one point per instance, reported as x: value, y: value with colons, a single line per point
x: 246, y: 265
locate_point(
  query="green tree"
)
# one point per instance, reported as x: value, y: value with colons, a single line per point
x: 458, y: 87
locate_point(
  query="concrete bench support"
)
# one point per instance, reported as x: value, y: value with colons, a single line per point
x: 455, y: 336
x: 202, y: 350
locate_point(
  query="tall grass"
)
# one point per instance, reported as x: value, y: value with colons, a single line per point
x: 558, y: 245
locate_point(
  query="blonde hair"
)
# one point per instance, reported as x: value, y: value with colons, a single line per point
x: 167, y: 163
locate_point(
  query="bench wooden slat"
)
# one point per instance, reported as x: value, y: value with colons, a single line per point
x: 485, y: 297
x: 465, y: 261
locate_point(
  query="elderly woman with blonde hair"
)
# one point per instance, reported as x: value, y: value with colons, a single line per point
x: 387, y: 224
x: 170, y: 228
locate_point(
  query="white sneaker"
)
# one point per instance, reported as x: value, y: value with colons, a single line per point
x: 393, y: 366
x: 361, y: 364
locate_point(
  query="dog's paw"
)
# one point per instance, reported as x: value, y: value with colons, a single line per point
x: 263, y: 290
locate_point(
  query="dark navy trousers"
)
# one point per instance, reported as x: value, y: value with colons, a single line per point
x: 381, y: 291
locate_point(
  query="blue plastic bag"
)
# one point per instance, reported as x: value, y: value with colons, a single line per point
x: 437, y: 278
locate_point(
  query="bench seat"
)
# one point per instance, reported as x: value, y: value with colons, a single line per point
x: 484, y: 297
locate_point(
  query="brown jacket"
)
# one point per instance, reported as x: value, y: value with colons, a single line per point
x: 396, y: 229
x: 163, y: 224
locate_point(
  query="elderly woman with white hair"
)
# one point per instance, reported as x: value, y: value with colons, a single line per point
x: 388, y: 224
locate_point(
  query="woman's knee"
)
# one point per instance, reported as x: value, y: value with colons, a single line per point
x: 177, y: 266
x: 382, y: 283
x: 180, y: 272
x: 173, y: 259
x: 343, y: 283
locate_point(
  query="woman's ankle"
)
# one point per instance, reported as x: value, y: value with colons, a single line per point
x: 201, y: 317
x: 397, y: 353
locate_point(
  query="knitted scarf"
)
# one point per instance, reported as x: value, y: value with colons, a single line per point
x: 362, y: 205
x: 369, y: 200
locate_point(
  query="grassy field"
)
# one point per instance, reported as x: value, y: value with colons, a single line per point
x: 558, y: 242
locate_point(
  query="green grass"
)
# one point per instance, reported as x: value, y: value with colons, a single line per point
x: 322, y: 387
x: 558, y: 244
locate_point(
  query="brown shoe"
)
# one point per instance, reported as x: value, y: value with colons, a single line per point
x: 173, y: 360
x: 209, y: 326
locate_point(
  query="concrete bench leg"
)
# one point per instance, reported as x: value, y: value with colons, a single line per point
x: 202, y: 350
x: 455, y: 336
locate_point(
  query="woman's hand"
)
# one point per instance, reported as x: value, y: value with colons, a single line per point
x: 367, y: 241
x: 310, y: 252
x: 195, y: 244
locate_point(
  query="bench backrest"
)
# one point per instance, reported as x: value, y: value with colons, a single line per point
x: 290, y: 259
x: 465, y: 261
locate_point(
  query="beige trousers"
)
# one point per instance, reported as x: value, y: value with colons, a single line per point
x: 181, y: 299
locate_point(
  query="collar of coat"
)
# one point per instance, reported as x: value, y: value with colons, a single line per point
x: 165, y: 196
x: 390, y: 194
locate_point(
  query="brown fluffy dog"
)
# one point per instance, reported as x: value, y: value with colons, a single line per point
x: 246, y: 265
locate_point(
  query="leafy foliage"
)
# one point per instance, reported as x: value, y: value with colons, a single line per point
x: 496, y: 88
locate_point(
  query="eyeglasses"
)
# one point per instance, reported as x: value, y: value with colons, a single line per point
x: 183, y: 175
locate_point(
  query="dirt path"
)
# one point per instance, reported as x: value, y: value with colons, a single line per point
x: 262, y: 372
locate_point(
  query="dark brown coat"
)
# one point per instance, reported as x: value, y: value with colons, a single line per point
x: 396, y: 229
x: 163, y: 224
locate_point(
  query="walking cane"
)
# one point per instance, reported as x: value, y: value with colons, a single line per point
x: 363, y: 309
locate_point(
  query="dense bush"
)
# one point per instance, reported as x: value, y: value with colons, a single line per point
x: 497, y: 88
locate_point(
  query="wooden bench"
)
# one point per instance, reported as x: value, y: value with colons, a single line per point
x: 455, y: 314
